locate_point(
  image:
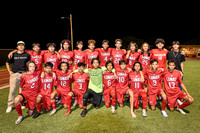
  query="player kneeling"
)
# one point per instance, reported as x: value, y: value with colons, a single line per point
x: 46, y: 88
x: 171, y: 80
x: 109, y: 83
x: 137, y: 79
x: 30, y: 82
x: 81, y: 80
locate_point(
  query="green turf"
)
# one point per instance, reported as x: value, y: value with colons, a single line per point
x: 102, y: 120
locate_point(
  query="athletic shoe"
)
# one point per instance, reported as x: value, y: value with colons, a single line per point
x: 19, y: 120
x: 74, y: 104
x: 53, y: 112
x: 181, y: 111
x: 102, y: 98
x: 9, y: 109
x: 144, y: 112
x: 179, y: 102
x: 36, y: 115
x: 83, y: 113
x: 164, y: 113
x: 59, y: 101
x: 68, y: 112
x: 113, y: 109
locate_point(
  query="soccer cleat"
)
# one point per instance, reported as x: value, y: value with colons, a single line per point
x: 53, y: 112
x: 59, y: 101
x: 75, y: 103
x: 36, y: 115
x: 179, y: 102
x: 181, y: 111
x: 9, y: 109
x: 68, y: 112
x: 113, y: 110
x: 164, y: 113
x: 144, y: 112
x: 23, y: 107
x: 19, y: 120
x: 83, y: 113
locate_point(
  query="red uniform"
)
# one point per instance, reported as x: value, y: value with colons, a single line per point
x: 90, y: 56
x: 138, y: 90
x: 133, y: 57
x: 63, y: 85
x: 80, y: 86
x: 154, y: 84
x: 67, y: 56
x: 160, y: 56
x: 46, y: 88
x: 144, y: 59
x: 30, y: 84
x: 104, y: 55
x: 79, y: 56
x: 109, y: 87
x: 173, y: 92
x: 117, y: 55
x: 122, y: 84
x: 37, y: 58
x: 53, y: 58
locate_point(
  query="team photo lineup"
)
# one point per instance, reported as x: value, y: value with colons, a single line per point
x: 94, y: 75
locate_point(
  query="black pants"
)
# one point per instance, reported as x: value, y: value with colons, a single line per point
x: 96, y: 98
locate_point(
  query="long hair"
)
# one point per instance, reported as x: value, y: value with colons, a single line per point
x: 135, y: 44
x: 135, y: 64
x: 27, y: 65
x: 148, y: 51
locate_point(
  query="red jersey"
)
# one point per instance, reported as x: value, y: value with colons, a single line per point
x: 133, y: 57
x: 81, y: 81
x: 46, y: 86
x: 160, y: 56
x: 135, y: 79
x: 63, y: 81
x: 117, y: 55
x: 109, y: 80
x: 171, y: 81
x: 144, y: 59
x: 37, y: 58
x: 53, y: 58
x: 154, y: 80
x: 79, y: 56
x: 90, y: 56
x: 30, y: 83
x: 67, y: 56
x: 123, y: 79
x: 104, y: 55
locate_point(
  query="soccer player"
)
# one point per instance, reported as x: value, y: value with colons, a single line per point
x: 29, y: 87
x: 122, y: 87
x: 81, y: 80
x: 63, y: 86
x: 65, y: 54
x: 46, y: 88
x: 137, y: 79
x: 79, y: 55
x: 132, y: 54
x: 118, y: 53
x: 171, y: 80
x: 109, y: 86
x: 91, y: 53
x: 159, y: 54
x: 154, y: 77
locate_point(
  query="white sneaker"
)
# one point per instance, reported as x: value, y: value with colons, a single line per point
x: 58, y: 102
x: 23, y: 107
x: 179, y: 102
x: 53, y: 112
x: 164, y: 113
x: 9, y: 109
x: 144, y: 112
x: 113, y: 109
x: 19, y: 120
x: 74, y: 104
x: 181, y: 111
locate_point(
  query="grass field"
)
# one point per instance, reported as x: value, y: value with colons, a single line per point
x: 102, y: 120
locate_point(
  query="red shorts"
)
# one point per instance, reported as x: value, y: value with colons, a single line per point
x: 107, y: 93
x: 62, y: 95
x: 78, y: 96
x: 31, y: 100
x: 140, y: 93
x: 153, y: 96
x: 46, y: 101
x: 172, y: 99
x: 120, y: 94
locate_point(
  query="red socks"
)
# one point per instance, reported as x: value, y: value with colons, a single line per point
x: 144, y: 100
x: 113, y: 99
x: 53, y: 103
x: 19, y: 110
x: 163, y: 104
x: 69, y: 101
x: 185, y: 104
x: 39, y: 108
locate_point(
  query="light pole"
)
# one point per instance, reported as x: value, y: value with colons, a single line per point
x: 70, y: 18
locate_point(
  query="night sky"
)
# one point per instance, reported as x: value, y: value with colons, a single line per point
x: 41, y: 23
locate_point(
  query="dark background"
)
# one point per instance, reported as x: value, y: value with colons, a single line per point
x: 36, y: 22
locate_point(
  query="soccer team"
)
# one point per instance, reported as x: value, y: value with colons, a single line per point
x: 95, y: 74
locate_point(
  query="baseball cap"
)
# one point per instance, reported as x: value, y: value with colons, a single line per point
x: 20, y: 42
